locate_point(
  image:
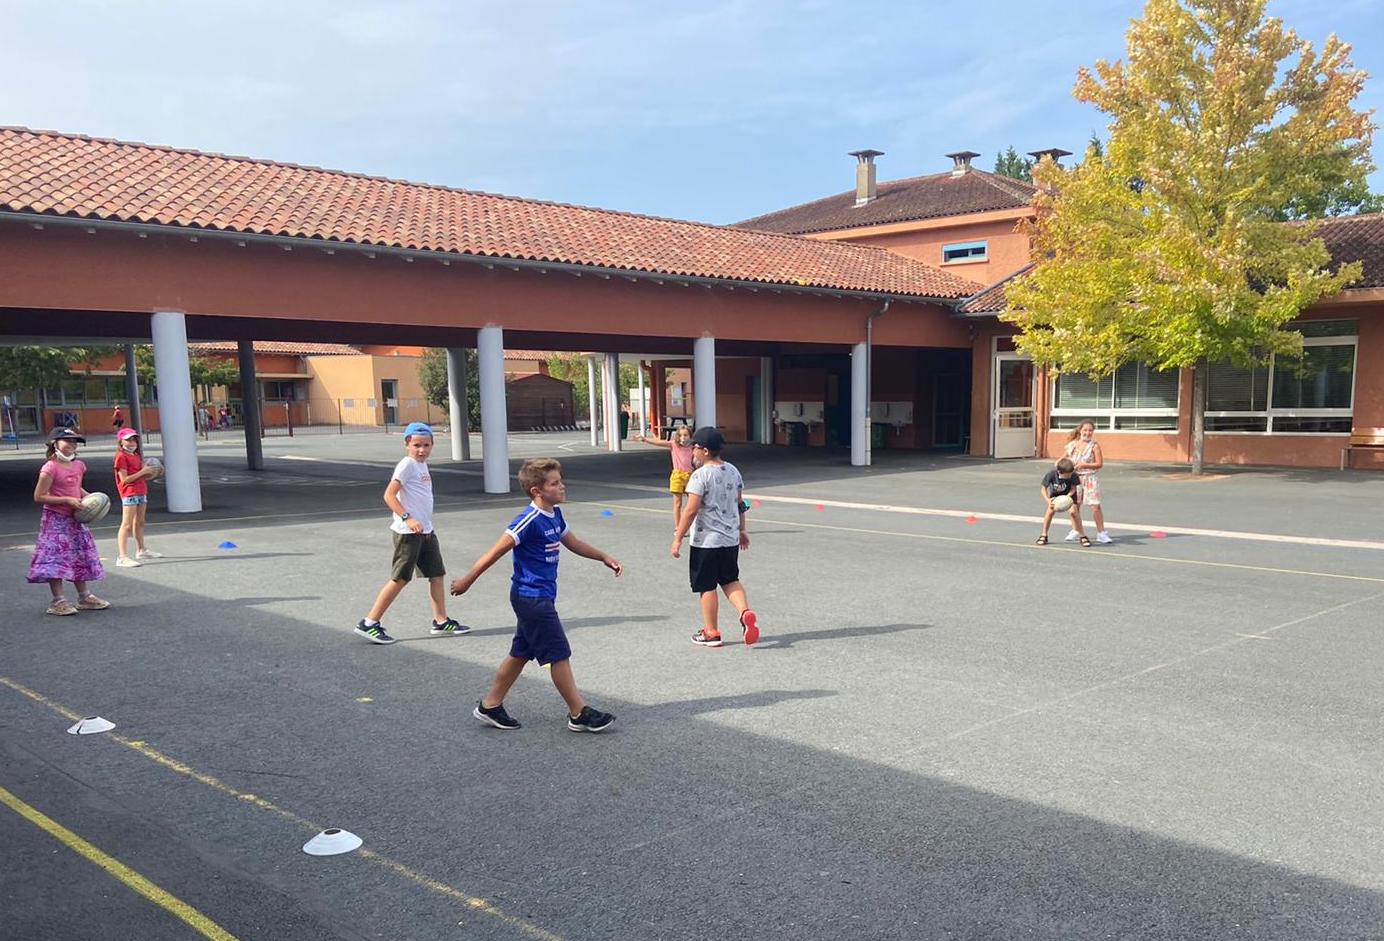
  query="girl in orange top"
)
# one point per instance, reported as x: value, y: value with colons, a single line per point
x: 680, y: 449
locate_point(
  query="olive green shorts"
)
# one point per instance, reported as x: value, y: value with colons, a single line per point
x: 417, y: 551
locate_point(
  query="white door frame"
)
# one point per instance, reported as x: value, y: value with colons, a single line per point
x: 996, y: 357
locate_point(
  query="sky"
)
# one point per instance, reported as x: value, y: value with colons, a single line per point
x: 715, y: 111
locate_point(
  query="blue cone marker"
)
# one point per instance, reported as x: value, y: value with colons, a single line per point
x: 228, y: 545
x: 607, y: 513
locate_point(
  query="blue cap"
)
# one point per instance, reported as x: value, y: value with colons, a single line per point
x: 417, y: 428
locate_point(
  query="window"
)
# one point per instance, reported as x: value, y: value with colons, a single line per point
x: 1135, y: 398
x: 286, y: 390
x: 1313, y: 395
x: 963, y: 251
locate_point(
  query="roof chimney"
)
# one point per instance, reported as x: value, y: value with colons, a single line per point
x: 865, y: 190
x: 1056, y: 153
x: 961, y: 161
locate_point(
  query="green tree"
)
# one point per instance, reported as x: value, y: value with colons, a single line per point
x: 571, y: 367
x: 203, y: 371
x: 432, y: 373
x: 1011, y: 164
x: 1165, y: 249
x: 44, y: 367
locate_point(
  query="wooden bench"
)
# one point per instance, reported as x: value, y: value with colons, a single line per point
x: 1362, y: 439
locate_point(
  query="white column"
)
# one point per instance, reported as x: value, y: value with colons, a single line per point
x: 704, y: 380
x: 591, y: 401
x: 860, y: 405
x: 610, y: 394
x: 490, y: 348
x: 457, y: 404
x: 182, y: 483
x: 766, y: 399
x: 643, y: 400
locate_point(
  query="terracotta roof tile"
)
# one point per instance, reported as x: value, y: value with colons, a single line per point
x: 50, y: 173
x: 1357, y: 238
x: 992, y: 299
x: 922, y: 197
x: 269, y: 346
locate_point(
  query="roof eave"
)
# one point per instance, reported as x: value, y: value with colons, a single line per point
x: 489, y: 261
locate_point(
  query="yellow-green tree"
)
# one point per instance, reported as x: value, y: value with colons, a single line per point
x: 1166, y: 248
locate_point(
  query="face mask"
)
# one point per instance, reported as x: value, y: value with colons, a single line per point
x: 65, y: 458
x: 129, y: 446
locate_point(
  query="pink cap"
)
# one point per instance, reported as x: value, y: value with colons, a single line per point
x: 124, y: 433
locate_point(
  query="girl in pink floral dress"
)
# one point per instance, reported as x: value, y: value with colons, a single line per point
x: 65, y: 550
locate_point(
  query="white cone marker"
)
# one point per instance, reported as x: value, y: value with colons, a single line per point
x: 331, y: 842
x: 91, y: 725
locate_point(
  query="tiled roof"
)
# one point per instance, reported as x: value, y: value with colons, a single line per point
x: 271, y: 347
x: 922, y: 197
x: 1357, y: 238
x: 992, y: 299
x: 45, y: 172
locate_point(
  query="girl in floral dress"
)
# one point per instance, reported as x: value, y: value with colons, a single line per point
x: 65, y: 550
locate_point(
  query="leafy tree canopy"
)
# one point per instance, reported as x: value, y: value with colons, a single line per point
x: 1166, y: 248
x: 1009, y: 163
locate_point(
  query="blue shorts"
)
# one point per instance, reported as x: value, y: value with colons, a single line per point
x: 539, y: 634
x: 136, y: 500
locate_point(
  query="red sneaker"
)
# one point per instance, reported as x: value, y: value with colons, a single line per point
x: 748, y: 622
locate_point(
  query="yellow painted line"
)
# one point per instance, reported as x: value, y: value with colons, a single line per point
x: 474, y: 903
x: 1105, y: 555
x: 131, y: 879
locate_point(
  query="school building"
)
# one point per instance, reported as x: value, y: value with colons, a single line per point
x: 866, y: 319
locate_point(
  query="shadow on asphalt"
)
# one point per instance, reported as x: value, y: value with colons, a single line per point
x: 782, y: 641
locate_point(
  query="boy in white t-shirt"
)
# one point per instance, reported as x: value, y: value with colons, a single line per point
x: 410, y: 496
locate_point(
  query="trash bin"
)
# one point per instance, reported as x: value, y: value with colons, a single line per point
x: 624, y: 425
x: 879, y: 435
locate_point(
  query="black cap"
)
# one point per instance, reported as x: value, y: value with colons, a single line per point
x: 65, y: 434
x: 708, y: 437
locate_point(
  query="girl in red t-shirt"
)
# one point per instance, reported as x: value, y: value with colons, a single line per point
x: 131, y: 476
x: 65, y: 550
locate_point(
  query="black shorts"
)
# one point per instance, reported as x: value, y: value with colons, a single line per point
x: 417, y: 551
x: 712, y: 567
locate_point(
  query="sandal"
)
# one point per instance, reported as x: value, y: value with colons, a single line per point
x: 1085, y: 543
x: 1042, y: 540
x: 90, y: 602
x: 61, y: 607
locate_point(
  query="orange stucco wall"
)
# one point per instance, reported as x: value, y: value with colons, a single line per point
x: 1007, y: 248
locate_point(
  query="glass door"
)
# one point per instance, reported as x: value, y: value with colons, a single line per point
x: 1013, y: 414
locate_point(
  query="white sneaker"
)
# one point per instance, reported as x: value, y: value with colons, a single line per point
x: 125, y: 562
x: 148, y: 554
x: 1072, y: 536
x: 1104, y: 538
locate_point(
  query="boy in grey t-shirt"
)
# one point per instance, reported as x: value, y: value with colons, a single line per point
x: 715, y: 515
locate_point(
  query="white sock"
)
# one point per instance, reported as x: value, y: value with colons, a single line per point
x: 370, y: 623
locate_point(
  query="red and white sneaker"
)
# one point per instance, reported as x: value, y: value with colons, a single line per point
x: 749, y: 622
x: 702, y: 638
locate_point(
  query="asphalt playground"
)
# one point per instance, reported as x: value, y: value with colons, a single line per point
x: 945, y: 732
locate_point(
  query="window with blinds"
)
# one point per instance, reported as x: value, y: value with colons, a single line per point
x: 1135, y: 398
x: 1311, y: 395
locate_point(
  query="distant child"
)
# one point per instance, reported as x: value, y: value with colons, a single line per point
x: 1062, y: 481
x: 410, y: 496
x: 680, y: 448
x: 117, y: 419
x: 1087, y: 458
x: 716, y: 515
x: 131, y: 482
x: 535, y: 536
x: 65, y: 549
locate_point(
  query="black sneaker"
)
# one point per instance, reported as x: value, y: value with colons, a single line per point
x: 495, y: 716
x: 704, y: 639
x: 590, y: 720
x: 375, y: 635
x: 449, y: 626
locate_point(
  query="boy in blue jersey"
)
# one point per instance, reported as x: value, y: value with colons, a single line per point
x: 536, y: 536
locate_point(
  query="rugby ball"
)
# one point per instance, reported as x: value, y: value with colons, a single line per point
x: 94, y: 506
x: 1062, y: 503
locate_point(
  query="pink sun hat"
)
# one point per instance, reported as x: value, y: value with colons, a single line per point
x: 126, y: 433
